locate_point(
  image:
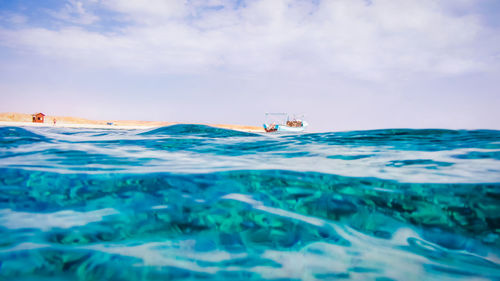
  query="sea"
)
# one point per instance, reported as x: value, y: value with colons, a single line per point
x: 192, y: 202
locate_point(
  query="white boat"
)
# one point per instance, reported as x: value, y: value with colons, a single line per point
x: 282, y: 122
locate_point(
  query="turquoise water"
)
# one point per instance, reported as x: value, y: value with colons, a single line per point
x: 190, y: 202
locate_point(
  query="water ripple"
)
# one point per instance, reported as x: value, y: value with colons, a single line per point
x: 190, y: 202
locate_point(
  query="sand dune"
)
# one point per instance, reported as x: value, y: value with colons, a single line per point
x: 24, y: 119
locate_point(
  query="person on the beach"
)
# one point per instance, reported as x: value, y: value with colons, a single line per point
x: 55, y: 121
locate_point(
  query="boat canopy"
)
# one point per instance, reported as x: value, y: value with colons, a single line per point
x: 282, y: 118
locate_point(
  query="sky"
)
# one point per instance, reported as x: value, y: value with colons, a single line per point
x: 345, y: 64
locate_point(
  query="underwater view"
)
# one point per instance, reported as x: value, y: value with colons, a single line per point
x: 192, y: 202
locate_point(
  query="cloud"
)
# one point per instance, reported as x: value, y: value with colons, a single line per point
x: 366, y: 40
x: 74, y: 12
x: 14, y: 18
x: 149, y: 11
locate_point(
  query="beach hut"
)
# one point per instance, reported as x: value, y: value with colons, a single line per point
x: 38, y: 117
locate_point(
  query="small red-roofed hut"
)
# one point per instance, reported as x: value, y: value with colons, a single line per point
x: 38, y: 117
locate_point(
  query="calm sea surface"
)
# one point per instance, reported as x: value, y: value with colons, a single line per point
x: 191, y: 202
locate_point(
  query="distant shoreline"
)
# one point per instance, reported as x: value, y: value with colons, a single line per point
x: 23, y: 119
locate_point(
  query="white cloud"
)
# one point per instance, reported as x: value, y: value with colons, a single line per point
x: 17, y: 19
x: 149, y: 11
x: 13, y: 18
x: 353, y: 38
x: 74, y: 12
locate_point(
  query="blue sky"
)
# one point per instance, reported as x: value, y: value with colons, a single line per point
x: 346, y: 64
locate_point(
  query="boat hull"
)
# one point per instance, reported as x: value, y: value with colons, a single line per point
x: 283, y: 128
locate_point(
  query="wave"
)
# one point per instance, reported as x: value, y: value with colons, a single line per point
x: 16, y: 136
x: 407, y: 139
x: 433, y: 156
x: 196, y: 130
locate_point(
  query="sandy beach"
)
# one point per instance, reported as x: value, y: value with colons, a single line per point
x: 24, y: 119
